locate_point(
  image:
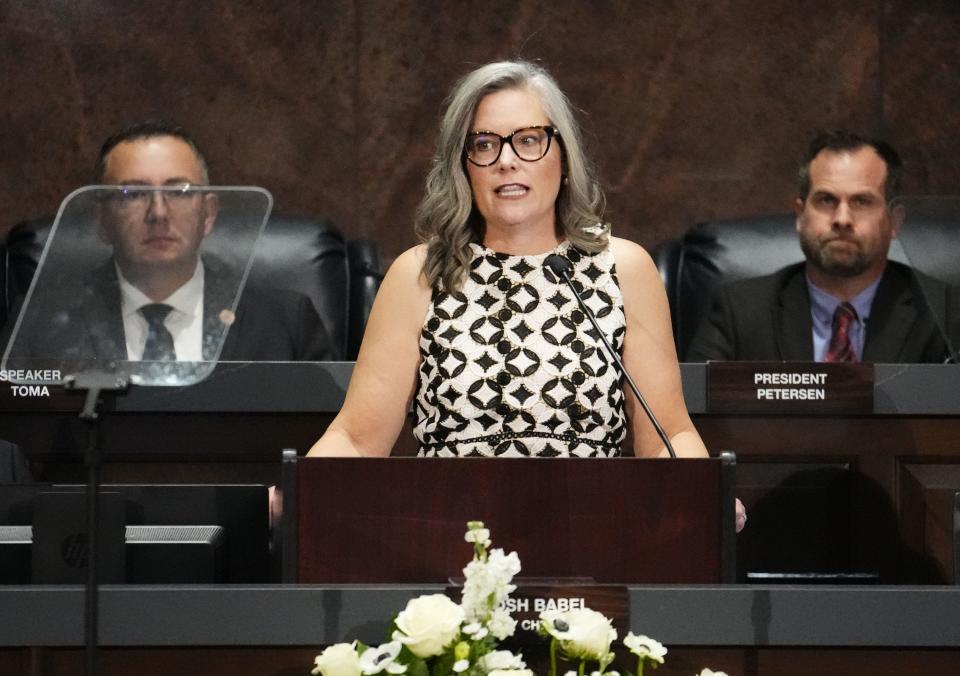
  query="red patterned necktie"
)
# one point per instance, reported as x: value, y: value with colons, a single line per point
x: 841, y: 349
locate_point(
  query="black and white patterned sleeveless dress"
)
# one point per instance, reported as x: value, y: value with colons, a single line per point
x: 511, y: 367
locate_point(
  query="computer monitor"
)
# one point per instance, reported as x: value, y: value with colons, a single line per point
x: 171, y: 533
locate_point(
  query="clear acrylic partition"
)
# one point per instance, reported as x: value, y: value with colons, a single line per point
x: 929, y: 241
x: 70, y: 323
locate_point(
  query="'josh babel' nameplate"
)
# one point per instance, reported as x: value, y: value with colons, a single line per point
x: 808, y: 388
x: 528, y: 601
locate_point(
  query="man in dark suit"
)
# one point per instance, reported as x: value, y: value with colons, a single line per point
x: 158, y: 299
x: 846, y: 302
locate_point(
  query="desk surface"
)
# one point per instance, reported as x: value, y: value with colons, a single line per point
x: 319, y: 387
x: 887, y: 617
x: 855, y: 469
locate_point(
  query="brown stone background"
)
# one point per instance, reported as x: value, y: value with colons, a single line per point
x: 693, y: 109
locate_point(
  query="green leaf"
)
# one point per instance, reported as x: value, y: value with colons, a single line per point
x: 417, y: 667
x: 442, y: 664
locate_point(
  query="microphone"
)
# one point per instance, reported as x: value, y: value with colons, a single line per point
x: 560, y: 266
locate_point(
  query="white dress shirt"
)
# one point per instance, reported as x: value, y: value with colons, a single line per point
x: 822, y: 307
x: 185, y: 321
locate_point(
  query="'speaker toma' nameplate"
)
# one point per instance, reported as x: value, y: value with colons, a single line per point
x: 806, y: 388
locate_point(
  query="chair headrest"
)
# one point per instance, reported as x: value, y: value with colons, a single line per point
x: 306, y: 255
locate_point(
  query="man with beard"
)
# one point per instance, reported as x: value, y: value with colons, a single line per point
x: 846, y: 302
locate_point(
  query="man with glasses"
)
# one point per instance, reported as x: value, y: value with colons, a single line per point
x: 158, y: 299
x: 847, y: 302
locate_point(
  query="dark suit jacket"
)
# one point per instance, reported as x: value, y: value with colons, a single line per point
x: 270, y: 325
x: 768, y: 319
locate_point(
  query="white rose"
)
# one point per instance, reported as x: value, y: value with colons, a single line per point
x: 583, y: 633
x: 428, y: 624
x: 340, y: 659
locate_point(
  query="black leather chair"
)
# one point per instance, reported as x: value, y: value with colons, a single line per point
x: 14, y: 468
x: 710, y: 254
x: 307, y: 255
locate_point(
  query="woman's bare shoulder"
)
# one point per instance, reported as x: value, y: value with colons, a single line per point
x: 630, y: 258
x: 409, y: 264
x: 405, y: 274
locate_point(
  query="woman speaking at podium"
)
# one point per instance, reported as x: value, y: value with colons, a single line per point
x: 478, y: 328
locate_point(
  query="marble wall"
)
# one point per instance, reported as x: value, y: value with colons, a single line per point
x: 693, y: 110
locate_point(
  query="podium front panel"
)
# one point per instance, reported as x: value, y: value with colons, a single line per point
x: 402, y: 520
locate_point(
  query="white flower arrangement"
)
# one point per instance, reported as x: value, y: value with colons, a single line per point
x: 434, y: 636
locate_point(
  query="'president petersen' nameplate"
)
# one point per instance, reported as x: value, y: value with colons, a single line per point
x: 806, y: 388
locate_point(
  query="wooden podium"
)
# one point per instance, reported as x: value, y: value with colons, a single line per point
x: 617, y: 521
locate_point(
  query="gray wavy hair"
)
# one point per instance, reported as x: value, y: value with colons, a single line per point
x: 447, y: 220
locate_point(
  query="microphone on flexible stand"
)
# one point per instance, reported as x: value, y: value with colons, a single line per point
x: 560, y: 266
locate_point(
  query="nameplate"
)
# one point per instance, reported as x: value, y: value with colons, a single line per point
x: 527, y: 601
x: 806, y: 388
x: 36, y: 390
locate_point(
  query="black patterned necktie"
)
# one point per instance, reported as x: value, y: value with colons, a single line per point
x: 841, y: 349
x: 159, y: 344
